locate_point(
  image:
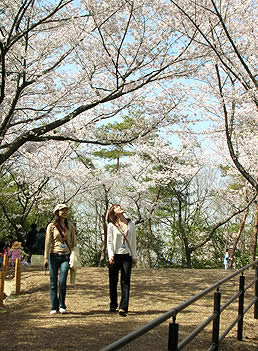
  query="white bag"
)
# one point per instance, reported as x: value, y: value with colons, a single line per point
x: 75, y: 260
x: 73, y: 276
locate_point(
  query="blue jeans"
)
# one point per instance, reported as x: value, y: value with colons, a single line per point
x: 57, y: 262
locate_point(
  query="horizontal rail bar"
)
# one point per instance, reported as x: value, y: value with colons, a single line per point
x: 196, y: 331
x: 250, y: 305
x: 204, y: 292
x: 229, y: 328
x: 212, y: 347
x: 138, y: 332
x: 236, y: 320
x: 233, y: 298
x: 251, y: 284
x: 171, y: 313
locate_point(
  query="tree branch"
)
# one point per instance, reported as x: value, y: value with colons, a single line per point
x: 219, y: 224
x: 238, y: 165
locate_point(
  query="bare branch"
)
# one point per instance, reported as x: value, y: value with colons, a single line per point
x: 238, y: 165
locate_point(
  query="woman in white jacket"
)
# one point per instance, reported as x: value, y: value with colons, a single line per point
x: 121, y: 244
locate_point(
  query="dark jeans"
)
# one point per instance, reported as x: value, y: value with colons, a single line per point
x: 123, y: 263
x: 57, y: 262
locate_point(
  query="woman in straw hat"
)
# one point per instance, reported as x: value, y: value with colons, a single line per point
x: 60, y: 239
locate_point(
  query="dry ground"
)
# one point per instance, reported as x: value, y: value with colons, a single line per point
x: 25, y: 323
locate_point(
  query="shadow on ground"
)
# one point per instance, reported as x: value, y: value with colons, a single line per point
x: 27, y: 326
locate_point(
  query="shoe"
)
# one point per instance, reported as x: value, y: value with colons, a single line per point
x: 53, y: 312
x: 122, y: 313
x: 62, y: 310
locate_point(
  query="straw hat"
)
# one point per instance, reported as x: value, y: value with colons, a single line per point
x: 16, y: 245
x: 59, y: 207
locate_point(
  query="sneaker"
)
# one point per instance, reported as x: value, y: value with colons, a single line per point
x: 122, y: 313
x: 53, y: 312
x: 62, y: 310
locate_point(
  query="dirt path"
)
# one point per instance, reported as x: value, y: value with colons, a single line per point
x: 25, y: 323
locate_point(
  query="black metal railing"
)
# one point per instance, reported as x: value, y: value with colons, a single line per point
x: 173, y: 334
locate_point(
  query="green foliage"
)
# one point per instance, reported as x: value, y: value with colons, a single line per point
x: 90, y: 257
x: 87, y: 161
x: 89, y: 235
x: 112, y: 154
x: 241, y: 259
x: 202, y: 262
x: 117, y: 129
x: 224, y: 170
x: 170, y: 242
x: 19, y: 209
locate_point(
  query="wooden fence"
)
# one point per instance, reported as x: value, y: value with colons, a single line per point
x: 17, y: 277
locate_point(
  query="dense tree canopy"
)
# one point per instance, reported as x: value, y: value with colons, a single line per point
x: 133, y: 102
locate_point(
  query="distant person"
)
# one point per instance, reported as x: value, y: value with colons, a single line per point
x: 9, y: 250
x: 38, y: 246
x: 42, y: 238
x: 227, y: 259
x: 60, y: 238
x: 31, y: 236
x: 121, y: 245
x: 2, y: 253
x: 16, y: 252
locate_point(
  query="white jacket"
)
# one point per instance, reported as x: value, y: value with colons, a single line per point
x: 112, y: 234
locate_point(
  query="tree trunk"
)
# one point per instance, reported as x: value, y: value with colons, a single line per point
x: 149, y: 244
x: 188, y: 252
x: 228, y: 132
x: 242, y: 225
x: 254, y: 244
x: 149, y: 238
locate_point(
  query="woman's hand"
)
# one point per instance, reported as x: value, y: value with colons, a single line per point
x: 134, y: 262
x: 45, y: 264
x: 111, y: 260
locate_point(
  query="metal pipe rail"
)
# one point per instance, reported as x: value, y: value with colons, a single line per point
x: 215, y: 317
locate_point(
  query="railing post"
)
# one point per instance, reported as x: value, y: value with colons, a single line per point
x: 173, y: 335
x: 241, y: 307
x: 18, y: 275
x: 256, y: 295
x: 5, y: 262
x: 216, y: 322
x: 2, y: 278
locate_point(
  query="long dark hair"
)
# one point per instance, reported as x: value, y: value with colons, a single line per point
x: 57, y: 220
x: 111, y: 218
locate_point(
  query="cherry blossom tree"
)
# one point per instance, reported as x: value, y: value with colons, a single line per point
x: 70, y: 67
x: 190, y: 203
x: 67, y: 66
x: 227, y: 83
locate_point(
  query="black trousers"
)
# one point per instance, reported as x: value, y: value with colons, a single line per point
x: 122, y: 263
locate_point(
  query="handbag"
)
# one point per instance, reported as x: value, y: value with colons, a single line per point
x: 75, y: 260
